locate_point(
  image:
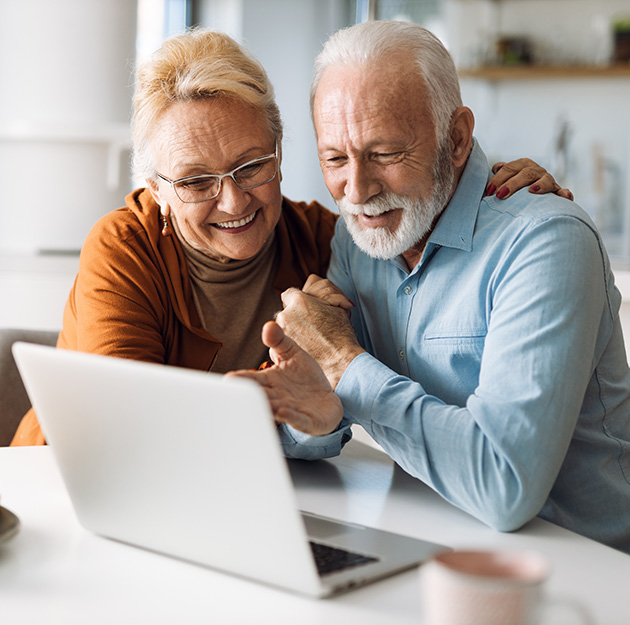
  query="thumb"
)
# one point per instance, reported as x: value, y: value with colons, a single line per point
x: 281, y: 347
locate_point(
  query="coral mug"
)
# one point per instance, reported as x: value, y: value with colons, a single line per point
x: 487, y: 588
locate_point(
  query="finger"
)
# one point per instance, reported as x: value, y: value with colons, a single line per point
x: 260, y: 377
x: 526, y: 178
x: 281, y: 347
x: 241, y: 373
x: 330, y: 294
x: 325, y: 290
x: 544, y: 184
x: 280, y: 319
x: 272, y: 334
x: 504, y: 171
x: 289, y: 296
x: 311, y: 282
x: 513, y: 176
x: 566, y: 194
x: 339, y: 300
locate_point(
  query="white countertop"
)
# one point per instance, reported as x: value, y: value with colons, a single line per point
x: 55, y: 572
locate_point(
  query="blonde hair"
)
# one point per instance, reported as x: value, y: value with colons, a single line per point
x: 365, y: 43
x: 196, y: 65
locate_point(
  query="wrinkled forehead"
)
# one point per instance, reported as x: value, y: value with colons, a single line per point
x: 213, y: 133
x: 357, y: 98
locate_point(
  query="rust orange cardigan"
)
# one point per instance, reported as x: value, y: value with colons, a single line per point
x: 132, y: 296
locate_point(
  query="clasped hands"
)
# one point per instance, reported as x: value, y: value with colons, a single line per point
x: 311, y: 343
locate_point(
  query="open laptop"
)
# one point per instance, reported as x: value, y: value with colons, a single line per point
x: 189, y: 464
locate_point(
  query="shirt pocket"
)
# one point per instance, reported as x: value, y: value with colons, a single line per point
x: 453, y: 357
x: 456, y: 339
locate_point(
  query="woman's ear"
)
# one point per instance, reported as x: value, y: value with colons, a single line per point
x: 154, y: 188
x: 461, y: 135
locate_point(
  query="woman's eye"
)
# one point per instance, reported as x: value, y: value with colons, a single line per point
x: 196, y: 185
x: 249, y: 170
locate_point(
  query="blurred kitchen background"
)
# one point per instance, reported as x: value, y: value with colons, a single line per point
x: 547, y: 79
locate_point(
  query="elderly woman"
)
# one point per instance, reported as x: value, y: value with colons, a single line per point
x: 189, y: 270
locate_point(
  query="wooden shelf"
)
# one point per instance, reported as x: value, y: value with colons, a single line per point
x: 502, y: 73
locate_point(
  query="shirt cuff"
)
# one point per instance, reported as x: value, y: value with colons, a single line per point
x: 359, y: 389
x: 296, y: 444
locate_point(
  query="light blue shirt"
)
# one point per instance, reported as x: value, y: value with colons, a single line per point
x: 496, y: 370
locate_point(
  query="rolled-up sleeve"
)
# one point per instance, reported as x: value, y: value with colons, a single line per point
x: 296, y: 444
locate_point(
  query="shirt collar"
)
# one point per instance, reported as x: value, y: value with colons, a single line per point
x: 456, y: 226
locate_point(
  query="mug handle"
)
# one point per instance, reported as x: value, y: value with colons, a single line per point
x: 565, y: 605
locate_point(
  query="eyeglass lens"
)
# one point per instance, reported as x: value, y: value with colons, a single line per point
x: 207, y: 187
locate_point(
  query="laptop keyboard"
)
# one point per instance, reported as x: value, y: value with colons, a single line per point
x: 332, y: 559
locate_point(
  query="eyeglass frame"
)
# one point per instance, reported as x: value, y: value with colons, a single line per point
x: 220, y: 177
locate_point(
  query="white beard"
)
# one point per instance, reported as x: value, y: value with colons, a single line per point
x: 417, y: 216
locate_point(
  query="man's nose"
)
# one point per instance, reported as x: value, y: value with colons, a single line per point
x: 231, y: 198
x: 361, y: 184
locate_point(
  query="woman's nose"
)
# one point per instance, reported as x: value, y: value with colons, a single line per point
x: 231, y: 198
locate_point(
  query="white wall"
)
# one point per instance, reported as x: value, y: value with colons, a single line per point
x: 286, y: 35
x: 524, y: 117
x: 35, y: 289
x: 66, y: 76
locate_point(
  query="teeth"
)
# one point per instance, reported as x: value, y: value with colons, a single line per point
x: 236, y: 224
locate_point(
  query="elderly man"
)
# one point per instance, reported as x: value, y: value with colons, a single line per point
x: 485, y: 352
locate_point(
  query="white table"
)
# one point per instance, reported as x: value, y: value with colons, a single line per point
x: 55, y: 572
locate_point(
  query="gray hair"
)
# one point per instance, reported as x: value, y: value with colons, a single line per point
x: 196, y: 65
x: 365, y: 43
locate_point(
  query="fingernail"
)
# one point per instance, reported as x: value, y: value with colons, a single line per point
x: 535, y: 188
x: 503, y: 192
x: 352, y: 302
x: 490, y: 189
x: 571, y: 197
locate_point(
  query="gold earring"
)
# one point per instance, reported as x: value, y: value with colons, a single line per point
x: 166, y: 228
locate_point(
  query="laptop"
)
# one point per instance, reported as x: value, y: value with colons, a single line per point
x: 188, y: 464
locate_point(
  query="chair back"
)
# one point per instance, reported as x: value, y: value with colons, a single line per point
x: 14, y: 401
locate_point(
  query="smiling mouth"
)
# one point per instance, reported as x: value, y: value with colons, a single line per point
x: 229, y: 225
x: 374, y: 216
x: 374, y: 221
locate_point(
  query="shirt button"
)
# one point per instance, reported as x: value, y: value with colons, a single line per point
x: 401, y: 353
x: 408, y: 290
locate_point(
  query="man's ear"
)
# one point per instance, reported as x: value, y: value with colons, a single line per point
x: 461, y: 135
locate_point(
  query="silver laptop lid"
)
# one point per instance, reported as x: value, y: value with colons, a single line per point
x: 147, y: 448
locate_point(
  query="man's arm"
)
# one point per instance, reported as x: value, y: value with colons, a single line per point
x: 497, y: 456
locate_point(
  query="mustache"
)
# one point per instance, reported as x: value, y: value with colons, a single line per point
x: 375, y: 206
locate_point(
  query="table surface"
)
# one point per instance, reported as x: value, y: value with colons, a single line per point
x: 53, y: 571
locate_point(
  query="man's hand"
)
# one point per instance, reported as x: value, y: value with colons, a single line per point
x: 321, y: 329
x: 297, y: 388
x: 510, y: 177
x: 326, y: 291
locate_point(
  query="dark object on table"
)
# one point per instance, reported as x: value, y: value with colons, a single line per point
x: 9, y: 525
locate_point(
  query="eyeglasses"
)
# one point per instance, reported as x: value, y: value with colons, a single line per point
x: 254, y: 173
